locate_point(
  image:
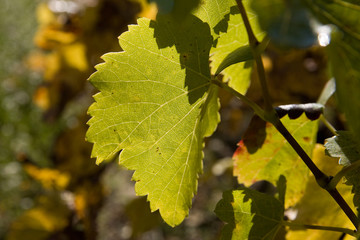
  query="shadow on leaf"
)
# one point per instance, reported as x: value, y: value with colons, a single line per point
x: 250, y: 214
x: 192, y: 40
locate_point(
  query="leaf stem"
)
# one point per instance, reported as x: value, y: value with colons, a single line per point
x: 257, y: 109
x: 254, y: 43
x: 327, y: 228
x: 336, y: 179
x: 328, y: 125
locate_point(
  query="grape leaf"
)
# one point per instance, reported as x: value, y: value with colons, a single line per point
x: 180, y: 9
x: 316, y: 201
x: 276, y: 157
x: 346, y: 148
x: 155, y: 105
x: 345, y: 56
x: 216, y: 14
x: 240, y: 54
x: 344, y: 53
x: 238, y: 75
x: 249, y: 214
x: 342, y: 13
x: 328, y: 90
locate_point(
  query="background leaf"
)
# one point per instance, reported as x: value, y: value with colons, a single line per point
x: 344, y: 53
x: 216, y: 14
x: 287, y: 24
x: 346, y: 148
x: 316, y: 201
x: 342, y: 13
x: 275, y: 157
x: 157, y: 105
x: 180, y: 9
x: 249, y: 215
x: 344, y: 57
x: 238, y: 75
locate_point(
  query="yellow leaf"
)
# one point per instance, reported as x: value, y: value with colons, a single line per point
x: 49, y: 216
x: 49, y: 178
x: 317, y: 207
x: 75, y: 56
x: 41, y: 98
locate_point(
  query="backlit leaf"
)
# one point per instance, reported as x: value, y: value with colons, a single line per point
x: 249, y: 215
x: 238, y: 75
x: 316, y: 201
x: 342, y: 13
x: 346, y: 148
x: 216, y: 14
x: 276, y: 157
x: 344, y: 53
x: 345, y: 58
x: 240, y: 54
x: 156, y: 104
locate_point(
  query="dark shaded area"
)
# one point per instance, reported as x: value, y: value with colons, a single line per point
x: 223, y: 25
x: 192, y: 40
x: 265, y: 217
x: 255, y: 134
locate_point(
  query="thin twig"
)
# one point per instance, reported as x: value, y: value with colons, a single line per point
x: 254, y: 43
x: 327, y: 228
x: 257, y: 109
x: 328, y: 125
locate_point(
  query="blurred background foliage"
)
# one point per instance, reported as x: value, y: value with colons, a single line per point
x: 49, y: 186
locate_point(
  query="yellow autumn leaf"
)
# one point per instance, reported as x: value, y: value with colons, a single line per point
x: 39, y: 223
x: 317, y: 207
x: 49, y: 178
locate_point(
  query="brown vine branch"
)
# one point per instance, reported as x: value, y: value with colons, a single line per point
x: 254, y: 43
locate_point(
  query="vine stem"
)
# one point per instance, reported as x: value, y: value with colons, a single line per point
x: 328, y: 125
x: 322, y: 179
x: 257, y: 109
x: 254, y: 43
x: 270, y: 115
x: 316, y: 227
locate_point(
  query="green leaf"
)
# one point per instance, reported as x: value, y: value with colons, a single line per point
x: 216, y: 14
x: 240, y: 54
x: 238, y: 75
x: 180, y: 9
x: 346, y: 148
x: 249, y: 215
x: 344, y: 53
x: 156, y: 104
x: 274, y: 156
x: 345, y: 57
x: 328, y: 90
x: 342, y: 13
x: 287, y: 24
x: 316, y: 201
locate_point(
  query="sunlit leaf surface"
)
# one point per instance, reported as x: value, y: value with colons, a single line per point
x: 249, y: 215
x: 268, y: 158
x: 316, y: 202
x: 156, y: 105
